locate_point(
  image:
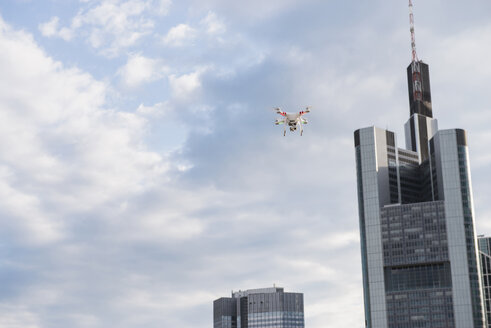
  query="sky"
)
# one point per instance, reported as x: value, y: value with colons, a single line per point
x: 142, y: 176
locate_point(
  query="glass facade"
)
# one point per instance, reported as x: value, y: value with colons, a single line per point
x: 224, y: 313
x: 417, y: 271
x: 485, y: 254
x: 225, y: 321
x: 374, y: 189
x: 258, y: 308
x: 414, y: 234
x: 363, y: 243
x: 470, y: 240
x: 418, y: 246
x: 421, y: 308
x: 415, y: 277
x: 276, y: 319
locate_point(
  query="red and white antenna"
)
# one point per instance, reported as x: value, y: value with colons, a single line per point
x: 415, y: 64
x: 411, y: 28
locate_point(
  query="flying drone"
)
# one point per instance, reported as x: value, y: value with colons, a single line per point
x: 293, y: 120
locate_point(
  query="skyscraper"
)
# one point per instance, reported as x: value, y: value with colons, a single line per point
x: 259, y: 308
x: 485, y: 253
x: 418, y: 244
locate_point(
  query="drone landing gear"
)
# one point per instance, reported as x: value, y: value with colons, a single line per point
x: 301, y: 133
x: 284, y: 133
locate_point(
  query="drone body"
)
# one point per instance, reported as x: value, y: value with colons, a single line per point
x: 292, y: 120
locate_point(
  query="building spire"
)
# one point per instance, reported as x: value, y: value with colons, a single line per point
x: 411, y: 28
x: 416, y: 69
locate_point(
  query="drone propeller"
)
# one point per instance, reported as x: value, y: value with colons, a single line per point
x: 279, y: 111
x: 307, y: 110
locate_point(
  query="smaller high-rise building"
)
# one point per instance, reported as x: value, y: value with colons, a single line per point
x: 485, y: 256
x: 259, y: 308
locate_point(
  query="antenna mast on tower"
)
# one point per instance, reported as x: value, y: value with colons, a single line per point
x: 411, y: 28
x: 416, y: 69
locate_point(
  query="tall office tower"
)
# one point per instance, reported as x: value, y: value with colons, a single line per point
x: 259, y: 308
x: 418, y: 244
x: 485, y: 253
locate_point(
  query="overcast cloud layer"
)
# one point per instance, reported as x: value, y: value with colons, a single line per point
x: 141, y: 174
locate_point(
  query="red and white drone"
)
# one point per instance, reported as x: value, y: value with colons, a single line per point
x: 292, y: 119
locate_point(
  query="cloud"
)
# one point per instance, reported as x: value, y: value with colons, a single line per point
x: 139, y: 69
x: 17, y: 316
x: 186, y: 35
x: 56, y: 119
x: 111, y: 26
x: 186, y: 86
x: 26, y: 208
x: 252, y: 10
x: 213, y: 24
x: 155, y: 110
x: 114, y: 25
x: 180, y: 35
x: 103, y: 226
x: 162, y: 6
x: 50, y: 29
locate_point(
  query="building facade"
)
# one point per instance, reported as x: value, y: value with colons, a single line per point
x: 419, y: 250
x: 259, y: 308
x: 485, y: 254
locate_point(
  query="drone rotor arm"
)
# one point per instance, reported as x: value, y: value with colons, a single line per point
x: 279, y: 111
x: 305, y: 111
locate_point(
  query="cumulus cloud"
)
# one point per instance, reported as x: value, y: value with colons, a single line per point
x: 157, y: 109
x: 17, y: 316
x: 179, y: 35
x: 185, y: 35
x: 114, y: 25
x: 77, y: 175
x: 33, y: 223
x: 252, y: 10
x: 213, y: 24
x: 56, y: 118
x: 101, y: 224
x: 139, y: 69
x: 162, y: 7
x: 186, y: 86
x: 111, y: 25
x: 50, y: 29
